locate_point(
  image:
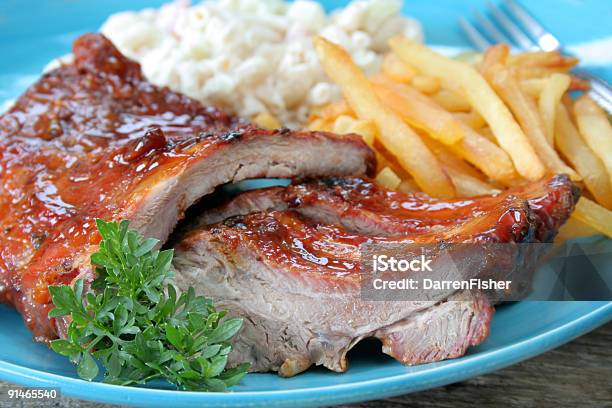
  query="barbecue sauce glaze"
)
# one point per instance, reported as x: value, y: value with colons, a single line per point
x: 81, y: 144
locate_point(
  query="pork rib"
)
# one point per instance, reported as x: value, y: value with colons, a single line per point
x: 287, y: 260
x: 93, y: 139
x: 361, y: 206
x: 297, y: 286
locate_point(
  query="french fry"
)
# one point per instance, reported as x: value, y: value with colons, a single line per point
x: 595, y: 127
x: 469, y: 57
x: 381, y: 161
x: 423, y: 113
x: 395, y: 134
x: 587, y: 164
x: 523, y: 73
x: 408, y: 186
x: 460, y: 126
x: 451, y: 101
x: 419, y: 111
x: 486, y: 156
x: 397, y: 70
x: 468, y: 182
x: 333, y: 110
x: 468, y: 186
x: 487, y: 133
x: 594, y: 215
x: 533, y: 87
x: 266, y: 121
x: 472, y: 119
x: 553, y: 89
x: 321, y: 125
x: 426, y: 84
x: 568, y: 103
x: 493, y: 56
x: 448, y: 157
x: 464, y: 79
x: 343, y: 124
x: 386, y: 159
x: 526, y: 112
x: 575, y: 228
x: 367, y: 129
x: 550, y: 59
x: 387, y: 178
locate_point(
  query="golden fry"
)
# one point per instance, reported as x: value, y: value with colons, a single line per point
x: 347, y: 124
x: 472, y: 119
x: 321, y: 125
x: 387, y: 178
x: 549, y: 59
x: 333, y: 110
x: 487, y: 133
x: 451, y: 101
x: 587, y: 164
x: 419, y: 111
x: 467, y: 180
x: 464, y: 79
x: 594, y: 215
x: 523, y: 73
x: 554, y: 87
x: 486, y: 156
x: 495, y: 55
x: 533, y: 87
x: 367, y: 129
x: 426, y: 84
x: 575, y: 228
x: 266, y: 121
x: 468, y: 186
x: 397, y: 70
x: 526, y: 112
x: 408, y: 186
x: 343, y: 124
x: 423, y: 113
x: 395, y: 134
x: 449, y: 158
x: 595, y: 127
x: 386, y: 159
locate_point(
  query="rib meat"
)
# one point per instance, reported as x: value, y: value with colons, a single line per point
x: 287, y: 260
x: 297, y: 286
x: 93, y: 139
x: 361, y: 206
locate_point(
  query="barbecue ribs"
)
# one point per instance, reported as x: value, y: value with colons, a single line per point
x: 94, y: 139
x: 287, y: 260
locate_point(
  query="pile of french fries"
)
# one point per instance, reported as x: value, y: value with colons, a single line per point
x: 451, y: 128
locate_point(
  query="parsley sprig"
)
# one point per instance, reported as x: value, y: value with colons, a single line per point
x: 137, y: 326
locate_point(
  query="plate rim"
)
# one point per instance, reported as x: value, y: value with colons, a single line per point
x: 475, y: 364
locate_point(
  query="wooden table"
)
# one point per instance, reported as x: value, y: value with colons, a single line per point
x: 578, y: 374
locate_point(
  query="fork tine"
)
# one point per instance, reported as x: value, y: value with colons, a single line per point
x: 515, y: 33
x: 475, y: 37
x: 546, y: 41
x: 491, y: 30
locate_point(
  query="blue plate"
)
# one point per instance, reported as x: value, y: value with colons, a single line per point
x: 34, y: 32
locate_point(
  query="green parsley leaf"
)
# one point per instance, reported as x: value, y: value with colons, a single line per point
x: 137, y: 326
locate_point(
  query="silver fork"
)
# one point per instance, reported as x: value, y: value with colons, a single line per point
x: 530, y: 37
